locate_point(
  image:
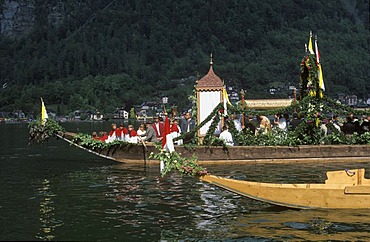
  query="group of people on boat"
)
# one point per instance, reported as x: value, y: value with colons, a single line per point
x: 153, y: 130
x: 262, y: 125
x: 150, y: 131
x: 352, y: 124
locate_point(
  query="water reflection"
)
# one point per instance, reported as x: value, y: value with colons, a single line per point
x: 47, y: 214
x: 312, y: 225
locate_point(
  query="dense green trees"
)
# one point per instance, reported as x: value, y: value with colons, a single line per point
x: 108, y: 54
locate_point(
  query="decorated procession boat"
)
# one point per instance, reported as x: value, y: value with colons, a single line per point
x: 139, y: 153
x: 346, y: 189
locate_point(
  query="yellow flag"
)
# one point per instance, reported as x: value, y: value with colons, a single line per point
x: 226, y: 97
x: 226, y: 101
x: 321, y: 78
x: 310, y: 48
x: 44, y: 114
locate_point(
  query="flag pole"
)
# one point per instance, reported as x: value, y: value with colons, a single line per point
x: 164, y: 140
x: 242, y: 95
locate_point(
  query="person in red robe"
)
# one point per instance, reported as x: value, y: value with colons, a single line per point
x: 158, y: 127
x: 112, y: 134
x: 133, y: 138
x: 175, y: 131
x: 103, y: 136
x: 173, y: 126
x: 131, y: 131
x: 121, y: 132
x: 95, y: 136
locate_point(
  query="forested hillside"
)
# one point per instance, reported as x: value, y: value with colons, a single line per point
x: 106, y: 54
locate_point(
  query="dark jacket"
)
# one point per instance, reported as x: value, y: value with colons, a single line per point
x: 185, y: 123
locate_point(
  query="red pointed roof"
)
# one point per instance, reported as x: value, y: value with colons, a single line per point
x: 210, y: 81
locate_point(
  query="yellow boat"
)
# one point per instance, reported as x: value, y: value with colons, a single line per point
x: 346, y: 189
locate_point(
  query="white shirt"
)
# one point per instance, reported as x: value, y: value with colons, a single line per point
x: 226, y: 135
x: 282, y: 124
x: 238, y: 125
x: 157, y: 126
x: 140, y: 133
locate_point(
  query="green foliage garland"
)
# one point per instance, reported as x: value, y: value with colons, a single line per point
x: 88, y: 142
x: 40, y: 133
x: 174, y: 161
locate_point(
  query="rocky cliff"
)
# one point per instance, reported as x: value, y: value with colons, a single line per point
x: 18, y: 16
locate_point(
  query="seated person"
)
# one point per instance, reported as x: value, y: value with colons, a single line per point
x: 112, y: 134
x: 122, y: 133
x: 226, y: 136
x: 95, y: 136
x: 250, y: 125
x: 150, y: 133
x: 132, y: 134
x: 103, y: 136
x: 141, y: 132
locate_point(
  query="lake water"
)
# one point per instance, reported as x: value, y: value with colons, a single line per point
x: 57, y: 192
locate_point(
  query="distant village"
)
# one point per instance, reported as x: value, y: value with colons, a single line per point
x: 149, y: 109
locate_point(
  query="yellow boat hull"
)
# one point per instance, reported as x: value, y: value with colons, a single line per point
x: 342, y: 190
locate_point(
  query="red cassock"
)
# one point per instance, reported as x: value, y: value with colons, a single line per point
x: 125, y: 131
x: 104, y: 138
x: 161, y: 129
x: 174, y: 128
x: 118, y: 133
x: 133, y: 133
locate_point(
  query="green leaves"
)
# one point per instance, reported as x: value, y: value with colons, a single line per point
x: 174, y: 161
x: 40, y: 133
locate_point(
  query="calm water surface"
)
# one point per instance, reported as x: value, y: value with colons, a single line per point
x: 57, y: 192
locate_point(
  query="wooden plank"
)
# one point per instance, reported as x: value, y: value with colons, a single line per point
x: 357, y: 190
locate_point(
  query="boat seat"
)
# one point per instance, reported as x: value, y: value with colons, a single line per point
x: 350, y: 177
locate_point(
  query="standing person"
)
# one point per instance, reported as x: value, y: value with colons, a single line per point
x: 226, y: 136
x: 158, y: 127
x: 175, y: 131
x: 176, y: 121
x: 186, y: 126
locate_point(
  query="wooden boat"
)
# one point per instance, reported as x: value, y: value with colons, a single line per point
x: 346, y: 189
x: 139, y: 153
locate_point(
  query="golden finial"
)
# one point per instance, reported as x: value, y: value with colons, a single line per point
x: 242, y: 92
x: 211, y: 62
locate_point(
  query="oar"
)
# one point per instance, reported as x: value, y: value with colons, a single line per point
x: 145, y: 148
